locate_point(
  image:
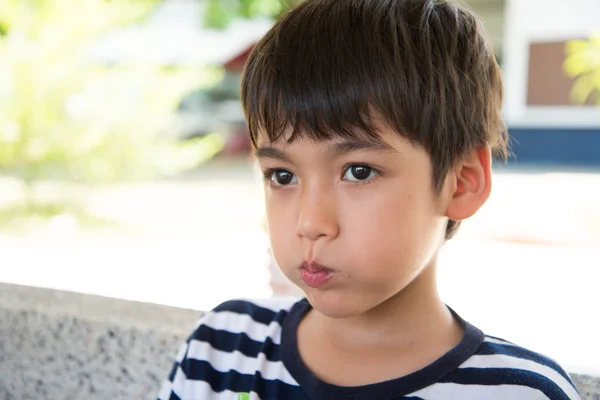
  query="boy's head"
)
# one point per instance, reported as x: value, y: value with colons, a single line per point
x: 329, y: 67
x: 411, y: 74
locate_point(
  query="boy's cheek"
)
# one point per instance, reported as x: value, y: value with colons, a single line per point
x: 282, y: 245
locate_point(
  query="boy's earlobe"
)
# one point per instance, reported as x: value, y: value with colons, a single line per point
x: 473, y: 184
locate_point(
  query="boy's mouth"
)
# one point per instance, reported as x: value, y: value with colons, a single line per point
x: 315, y: 275
x: 314, y: 267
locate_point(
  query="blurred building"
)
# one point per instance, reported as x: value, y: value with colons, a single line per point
x: 547, y: 128
x: 173, y: 35
x: 529, y: 38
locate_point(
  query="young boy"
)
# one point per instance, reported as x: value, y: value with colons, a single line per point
x: 374, y: 123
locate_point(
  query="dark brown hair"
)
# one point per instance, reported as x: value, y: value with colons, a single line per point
x: 329, y: 67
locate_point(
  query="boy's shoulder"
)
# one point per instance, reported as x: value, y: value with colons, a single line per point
x: 231, y: 347
x: 257, y: 306
x: 495, y: 352
x: 247, y: 316
x: 500, y: 369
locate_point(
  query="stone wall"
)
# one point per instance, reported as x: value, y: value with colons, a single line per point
x: 58, y: 345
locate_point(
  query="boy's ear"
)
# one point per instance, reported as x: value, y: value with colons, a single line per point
x: 471, y: 184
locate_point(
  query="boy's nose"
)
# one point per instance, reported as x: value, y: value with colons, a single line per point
x: 317, y: 216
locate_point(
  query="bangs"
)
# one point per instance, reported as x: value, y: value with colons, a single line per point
x: 310, y: 111
x: 321, y: 81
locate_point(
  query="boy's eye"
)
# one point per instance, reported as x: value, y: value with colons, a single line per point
x: 281, y: 177
x: 359, y: 173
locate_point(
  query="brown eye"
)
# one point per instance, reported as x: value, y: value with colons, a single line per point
x: 282, y: 177
x: 359, y: 173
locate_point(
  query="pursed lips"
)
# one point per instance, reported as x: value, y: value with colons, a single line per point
x: 314, y: 266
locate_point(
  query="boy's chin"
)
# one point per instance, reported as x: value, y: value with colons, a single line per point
x: 335, y: 305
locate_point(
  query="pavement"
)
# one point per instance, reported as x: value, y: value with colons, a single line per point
x: 526, y: 268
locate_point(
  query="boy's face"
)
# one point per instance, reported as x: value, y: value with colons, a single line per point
x: 351, y: 223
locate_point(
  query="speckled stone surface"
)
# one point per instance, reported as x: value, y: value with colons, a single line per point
x: 118, y: 353
x: 588, y: 386
x: 58, y: 345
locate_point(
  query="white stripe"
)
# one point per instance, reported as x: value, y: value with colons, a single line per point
x: 275, y: 304
x: 181, y: 353
x: 179, y: 382
x: 492, y: 340
x: 455, y: 391
x: 242, y: 323
x: 224, y: 362
x: 200, y: 390
x: 504, y: 361
x: 165, y: 391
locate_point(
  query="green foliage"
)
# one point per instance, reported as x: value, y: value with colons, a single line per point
x: 219, y: 13
x: 583, y: 63
x: 60, y: 115
x: 64, y: 118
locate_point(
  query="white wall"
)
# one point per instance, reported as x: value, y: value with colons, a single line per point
x: 543, y: 20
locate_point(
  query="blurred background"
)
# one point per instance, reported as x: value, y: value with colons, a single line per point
x: 125, y: 169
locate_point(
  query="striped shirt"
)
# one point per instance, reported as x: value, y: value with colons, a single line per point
x: 251, y: 347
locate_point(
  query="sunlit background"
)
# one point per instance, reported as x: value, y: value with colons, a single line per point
x: 125, y: 168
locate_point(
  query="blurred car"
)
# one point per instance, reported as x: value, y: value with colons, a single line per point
x: 214, y: 110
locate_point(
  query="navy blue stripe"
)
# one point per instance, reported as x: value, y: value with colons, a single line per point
x: 506, y: 376
x: 173, y: 371
x: 488, y: 348
x: 239, y: 383
x: 258, y: 314
x: 277, y: 390
x: 229, y: 342
x: 173, y: 396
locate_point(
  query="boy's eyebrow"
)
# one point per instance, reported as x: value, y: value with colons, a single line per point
x: 271, y: 152
x: 350, y: 145
x: 335, y: 149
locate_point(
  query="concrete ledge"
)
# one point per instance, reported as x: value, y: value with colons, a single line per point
x: 588, y: 386
x: 57, y: 345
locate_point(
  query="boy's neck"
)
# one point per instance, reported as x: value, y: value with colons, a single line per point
x: 402, y: 335
x: 414, y: 316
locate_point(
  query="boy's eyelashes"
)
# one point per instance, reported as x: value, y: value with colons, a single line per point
x: 360, y: 173
x: 352, y: 173
x: 279, y: 177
